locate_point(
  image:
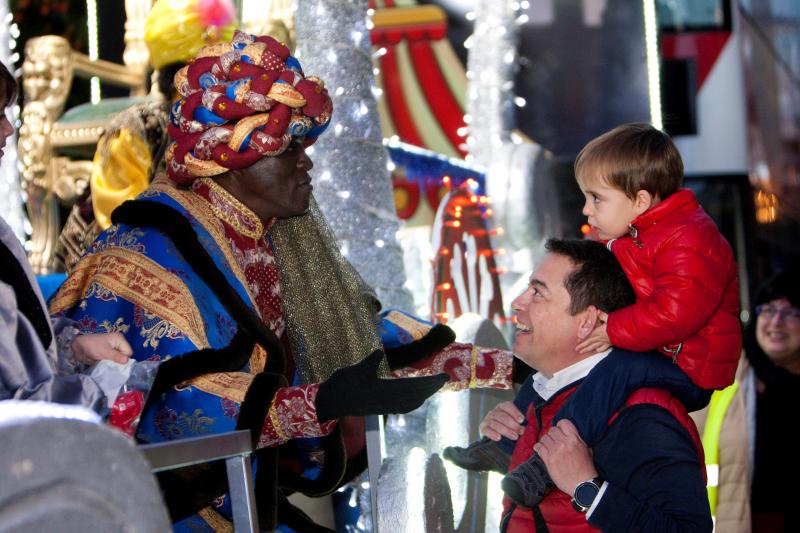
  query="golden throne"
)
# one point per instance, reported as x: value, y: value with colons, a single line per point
x: 56, y: 147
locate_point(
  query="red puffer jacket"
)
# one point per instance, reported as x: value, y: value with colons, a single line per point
x: 687, y: 291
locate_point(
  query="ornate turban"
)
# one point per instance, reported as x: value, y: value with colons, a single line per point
x: 241, y: 101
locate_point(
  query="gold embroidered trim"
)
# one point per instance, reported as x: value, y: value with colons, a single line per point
x: 141, y: 281
x: 215, y: 520
x: 276, y: 423
x: 200, y: 209
x: 416, y: 328
x: 74, y: 287
x: 473, y: 365
x: 231, y: 385
x: 243, y: 220
x: 258, y: 359
x: 201, y: 167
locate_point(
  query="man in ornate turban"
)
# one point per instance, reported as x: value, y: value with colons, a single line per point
x: 224, y: 271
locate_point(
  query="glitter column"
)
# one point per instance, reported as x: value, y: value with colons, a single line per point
x: 351, y: 181
x: 490, y: 73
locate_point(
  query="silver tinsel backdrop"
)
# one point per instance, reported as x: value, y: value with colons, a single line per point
x: 351, y: 181
x: 491, y: 66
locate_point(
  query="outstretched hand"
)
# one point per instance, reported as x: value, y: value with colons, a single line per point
x: 357, y: 390
x: 405, y: 355
x: 94, y: 347
x: 598, y: 340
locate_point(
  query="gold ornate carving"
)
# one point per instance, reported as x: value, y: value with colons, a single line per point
x: 47, y: 74
x: 34, y: 157
x: 70, y: 178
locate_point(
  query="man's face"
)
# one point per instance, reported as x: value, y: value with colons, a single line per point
x: 278, y: 186
x: 546, y: 332
x: 778, y: 332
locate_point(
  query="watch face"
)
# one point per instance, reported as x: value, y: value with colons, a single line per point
x: 585, y: 493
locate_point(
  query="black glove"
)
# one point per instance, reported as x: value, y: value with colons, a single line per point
x: 356, y: 390
x: 404, y: 355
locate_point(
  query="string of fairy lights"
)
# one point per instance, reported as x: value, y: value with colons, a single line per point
x: 12, y: 200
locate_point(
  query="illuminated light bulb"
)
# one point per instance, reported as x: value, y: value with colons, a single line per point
x: 446, y: 286
x: 473, y: 199
x: 489, y: 212
x: 586, y: 229
x: 446, y: 179
x: 501, y: 251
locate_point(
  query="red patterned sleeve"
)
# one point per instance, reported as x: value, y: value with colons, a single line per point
x: 469, y: 367
x: 293, y: 414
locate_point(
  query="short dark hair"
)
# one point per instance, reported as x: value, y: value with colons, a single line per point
x: 783, y: 284
x: 8, y: 85
x: 632, y: 158
x: 597, y: 279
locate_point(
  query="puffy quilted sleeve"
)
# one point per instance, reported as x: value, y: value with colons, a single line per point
x: 690, y: 275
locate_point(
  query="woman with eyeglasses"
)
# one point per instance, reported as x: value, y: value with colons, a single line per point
x: 751, y: 460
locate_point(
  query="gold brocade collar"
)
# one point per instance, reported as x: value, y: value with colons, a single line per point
x: 230, y: 210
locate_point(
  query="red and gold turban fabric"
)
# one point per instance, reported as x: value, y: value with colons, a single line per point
x: 241, y: 101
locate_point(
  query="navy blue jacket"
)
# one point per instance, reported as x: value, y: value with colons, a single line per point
x: 653, y: 473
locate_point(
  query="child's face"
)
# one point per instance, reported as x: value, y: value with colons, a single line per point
x: 608, y: 209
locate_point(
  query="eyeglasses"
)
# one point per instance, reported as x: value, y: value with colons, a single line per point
x: 769, y: 311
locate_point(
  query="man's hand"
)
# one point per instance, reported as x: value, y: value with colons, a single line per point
x: 598, y: 340
x: 505, y: 420
x: 566, y: 456
x: 91, y: 348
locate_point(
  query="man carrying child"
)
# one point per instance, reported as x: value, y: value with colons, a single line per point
x: 685, y: 279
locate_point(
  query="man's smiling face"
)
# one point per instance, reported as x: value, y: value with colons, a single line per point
x: 545, y: 329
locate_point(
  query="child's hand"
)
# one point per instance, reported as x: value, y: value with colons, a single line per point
x: 598, y: 340
x: 91, y: 348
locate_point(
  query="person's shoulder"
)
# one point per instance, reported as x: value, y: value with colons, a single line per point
x: 649, y: 426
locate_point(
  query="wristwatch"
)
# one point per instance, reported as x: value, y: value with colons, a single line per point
x: 585, y: 493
